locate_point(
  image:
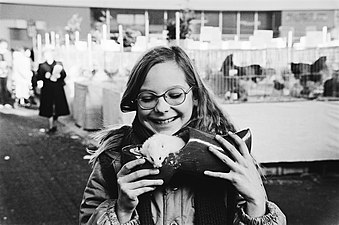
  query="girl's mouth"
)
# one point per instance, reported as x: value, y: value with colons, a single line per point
x: 163, y: 122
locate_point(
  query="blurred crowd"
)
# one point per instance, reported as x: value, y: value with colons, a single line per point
x: 25, y: 83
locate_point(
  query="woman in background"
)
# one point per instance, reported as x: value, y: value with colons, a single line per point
x: 53, y: 102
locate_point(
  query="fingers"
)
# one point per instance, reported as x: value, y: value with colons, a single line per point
x: 132, y: 184
x: 139, y: 174
x: 226, y: 176
x: 143, y: 190
x: 127, y: 168
x: 127, y: 174
x: 235, y: 154
x: 147, y: 183
x: 242, y: 145
x: 237, y: 159
x: 139, y: 187
x: 224, y: 158
x: 129, y: 192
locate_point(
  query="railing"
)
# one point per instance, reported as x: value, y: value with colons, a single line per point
x: 276, y: 79
x: 266, y: 75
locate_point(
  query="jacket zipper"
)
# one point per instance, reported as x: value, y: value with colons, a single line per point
x: 165, y: 191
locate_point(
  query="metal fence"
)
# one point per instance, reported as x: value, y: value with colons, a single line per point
x: 243, y: 75
x: 268, y: 74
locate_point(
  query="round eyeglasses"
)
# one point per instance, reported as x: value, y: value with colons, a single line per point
x: 174, y: 96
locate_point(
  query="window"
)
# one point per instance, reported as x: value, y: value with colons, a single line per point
x: 229, y: 23
x: 246, y: 22
x: 156, y: 21
x: 130, y: 19
x: 17, y: 34
x: 211, y: 19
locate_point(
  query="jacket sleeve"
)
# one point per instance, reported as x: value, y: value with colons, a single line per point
x: 63, y: 72
x: 96, y: 203
x: 273, y: 216
x: 40, y: 75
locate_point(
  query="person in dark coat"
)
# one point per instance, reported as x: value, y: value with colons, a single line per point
x: 53, y: 102
x: 331, y: 86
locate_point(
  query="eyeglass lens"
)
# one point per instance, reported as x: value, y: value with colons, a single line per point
x: 174, y: 96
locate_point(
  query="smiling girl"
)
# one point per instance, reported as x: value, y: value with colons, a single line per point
x: 168, y: 95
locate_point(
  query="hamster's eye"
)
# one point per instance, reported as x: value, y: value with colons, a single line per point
x: 160, y: 158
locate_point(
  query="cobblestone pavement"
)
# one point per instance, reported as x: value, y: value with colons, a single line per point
x: 42, y: 177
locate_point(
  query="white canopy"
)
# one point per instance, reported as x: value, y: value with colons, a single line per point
x: 214, y: 5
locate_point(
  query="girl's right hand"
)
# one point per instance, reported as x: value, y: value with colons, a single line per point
x: 131, y: 185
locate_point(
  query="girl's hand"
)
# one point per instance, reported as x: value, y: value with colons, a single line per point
x: 243, y: 174
x: 131, y: 185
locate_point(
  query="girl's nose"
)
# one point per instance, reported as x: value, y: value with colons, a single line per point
x: 162, y: 105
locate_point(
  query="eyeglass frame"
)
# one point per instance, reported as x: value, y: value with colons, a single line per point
x: 163, y: 95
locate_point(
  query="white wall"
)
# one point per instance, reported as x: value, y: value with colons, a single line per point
x: 56, y: 18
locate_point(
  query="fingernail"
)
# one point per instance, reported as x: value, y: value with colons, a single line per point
x: 156, y: 171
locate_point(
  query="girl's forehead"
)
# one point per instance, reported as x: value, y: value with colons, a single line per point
x: 163, y: 76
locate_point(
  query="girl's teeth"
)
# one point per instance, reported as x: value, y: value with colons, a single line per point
x: 164, y: 121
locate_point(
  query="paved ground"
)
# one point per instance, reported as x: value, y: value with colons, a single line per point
x: 42, y: 177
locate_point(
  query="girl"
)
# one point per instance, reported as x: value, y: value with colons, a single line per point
x: 167, y: 94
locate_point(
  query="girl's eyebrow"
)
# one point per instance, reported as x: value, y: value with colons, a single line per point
x: 174, y: 86
x: 144, y: 89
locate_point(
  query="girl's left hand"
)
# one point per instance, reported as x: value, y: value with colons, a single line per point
x: 243, y: 174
